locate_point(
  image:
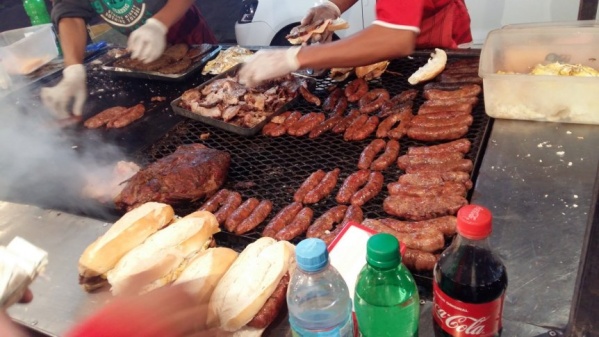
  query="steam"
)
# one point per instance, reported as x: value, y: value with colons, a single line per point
x: 45, y: 165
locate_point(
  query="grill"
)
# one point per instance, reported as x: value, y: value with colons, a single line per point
x: 277, y: 166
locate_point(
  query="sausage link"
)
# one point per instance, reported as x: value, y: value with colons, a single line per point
x: 445, y: 224
x: 132, y: 114
x: 298, y: 225
x: 351, y: 184
x: 281, y: 219
x: 467, y: 90
x: 399, y: 131
x: 347, y: 121
x: 326, y: 221
x: 356, y: 89
x: 105, y: 116
x: 460, y: 145
x: 308, y: 185
x: 325, y: 126
x: 444, y: 188
x: 359, y: 132
x: 418, y: 260
x: 308, y: 96
x: 355, y: 127
x: 428, y: 240
x: 463, y: 165
x: 369, y: 152
x: 373, y: 100
x: 461, y: 119
x: 449, y: 132
x: 386, y: 125
x: 255, y: 218
x: 422, y: 208
x: 388, y: 157
x: 212, y: 204
x: 373, y: 187
x: 430, y: 178
x: 340, y: 107
x: 273, y: 306
x: 354, y: 213
x: 233, y: 201
x: 428, y: 109
x: 441, y: 115
x: 396, y: 109
x: 276, y: 128
x: 332, y: 99
x: 240, y: 214
x: 447, y: 102
x: 305, y: 124
x: 291, y: 120
x: 461, y: 78
x: 442, y: 86
x: 408, y: 160
x: 324, y: 187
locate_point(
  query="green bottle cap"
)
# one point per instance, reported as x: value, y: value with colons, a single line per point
x: 382, y: 251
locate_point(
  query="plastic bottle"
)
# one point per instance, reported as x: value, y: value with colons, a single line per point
x: 387, y: 300
x: 469, y: 280
x: 317, y: 296
x: 37, y: 11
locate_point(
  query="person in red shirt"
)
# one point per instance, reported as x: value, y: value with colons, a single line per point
x: 399, y: 28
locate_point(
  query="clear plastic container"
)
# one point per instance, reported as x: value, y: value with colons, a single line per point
x: 518, y: 49
x: 24, y: 50
x: 317, y: 296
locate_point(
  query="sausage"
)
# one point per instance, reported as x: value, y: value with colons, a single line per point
x: 434, y: 133
x: 240, y: 214
x: 466, y: 90
x: 373, y: 100
x: 408, y: 160
x: 298, y: 225
x: 255, y: 218
x: 428, y: 240
x: 442, y: 86
x: 325, y: 126
x: 465, y: 62
x: 346, y: 122
x: 388, y: 157
x: 399, y: 131
x: 445, y: 188
x: 212, y: 204
x: 369, y: 152
x: 356, y: 89
x: 463, y: 165
x: 444, y: 120
x: 422, y: 208
x: 431, y: 178
x: 447, y: 102
x: 360, y: 131
x: 132, y: 114
x: 441, y: 115
x: 308, y: 96
x: 231, y: 203
x: 281, y: 219
x: 351, y: 184
x: 396, y: 109
x: 326, y: 221
x: 465, y: 107
x: 324, y: 187
x: 418, y: 260
x: 276, y: 128
x: 354, y: 213
x: 402, y: 99
x: 385, y: 126
x: 460, y: 145
x: 467, y: 70
x: 373, y: 187
x: 104, y: 117
x: 308, y: 185
x: 461, y: 78
x: 332, y: 99
x: 305, y: 124
x: 273, y: 306
x: 340, y: 107
x: 292, y: 119
x: 445, y: 224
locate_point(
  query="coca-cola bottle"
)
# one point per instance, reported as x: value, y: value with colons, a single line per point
x: 469, y: 280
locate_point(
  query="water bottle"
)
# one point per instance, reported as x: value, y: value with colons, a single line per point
x: 387, y: 301
x: 37, y: 11
x: 317, y: 296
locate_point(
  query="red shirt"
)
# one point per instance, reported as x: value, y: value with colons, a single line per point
x: 439, y: 23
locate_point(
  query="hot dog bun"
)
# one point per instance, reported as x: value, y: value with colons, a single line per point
x: 249, y: 283
x: 128, y: 232
x: 161, y: 258
x: 301, y: 34
x: 435, y: 65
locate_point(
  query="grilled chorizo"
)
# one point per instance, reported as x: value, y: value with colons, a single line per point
x: 369, y: 152
x: 460, y: 145
x: 308, y: 96
x: 351, y: 184
x: 308, y: 185
x: 255, y: 218
x: 373, y: 186
x: 428, y: 134
x: 231, y: 203
x: 445, y: 188
x: 212, y: 204
x: 281, y: 219
x: 331, y: 100
x: 298, y: 225
x: 373, y: 100
x: 388, y: 157
x: 431, y: 178
x: 305, y: 124
x: 346, y: 122
x: 356, y: 89
x: 408, y: 160
x: 466, y: 90
x: 324, y: 126
x: 444, y: 120
x: 361, y: 128
x: 324, y: 187
x: 240, y: 214
x: 418, y: 260
x: 326, y: 221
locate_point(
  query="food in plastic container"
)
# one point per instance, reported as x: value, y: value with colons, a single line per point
x: 25, y: 50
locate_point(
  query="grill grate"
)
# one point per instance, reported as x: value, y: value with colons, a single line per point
x: 277, y: 166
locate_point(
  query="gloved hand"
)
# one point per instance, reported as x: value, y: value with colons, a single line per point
x: 5, y: 81
x: 324, y: 11
x: 147, y: 42
x: 268, y: 64
x: 72, y: 86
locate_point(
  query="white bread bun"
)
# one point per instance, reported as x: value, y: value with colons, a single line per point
x: 435, y: 65
x: 128, y: 232
x: 158, y: 260
x: 249, y: 282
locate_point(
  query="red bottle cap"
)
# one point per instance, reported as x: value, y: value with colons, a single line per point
x: 474, y: 222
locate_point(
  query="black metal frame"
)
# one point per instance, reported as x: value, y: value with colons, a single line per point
x: 587, y: 10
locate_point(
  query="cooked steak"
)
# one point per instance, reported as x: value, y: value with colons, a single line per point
x: 177, y: 67
x: 176, y: 51
x: 155, y: 65
x: 191, y: 172
x: 198, y: 51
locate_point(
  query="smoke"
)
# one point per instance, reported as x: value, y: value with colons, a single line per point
x: 48, y: 166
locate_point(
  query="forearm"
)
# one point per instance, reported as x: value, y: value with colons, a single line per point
x: 370, y: 45
x: 73, y: 37
x: 173, y: 11
x: 344, y: 4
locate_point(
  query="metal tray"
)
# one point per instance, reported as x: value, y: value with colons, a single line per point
x: 228, y: 126
x: 154, y: 75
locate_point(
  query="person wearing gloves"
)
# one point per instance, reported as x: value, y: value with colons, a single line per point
x: 150, y: 24
x: 399, y: 28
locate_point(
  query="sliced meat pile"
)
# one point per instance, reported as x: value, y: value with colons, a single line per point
x: 228, y: 100
x: 191, y: 172
x: 176, y: 59
x: 115, y: 117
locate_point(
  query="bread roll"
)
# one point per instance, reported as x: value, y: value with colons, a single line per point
x: 157, y: 260
x: 435, y: 65
x: 249, y: 282
x: 127, y: 233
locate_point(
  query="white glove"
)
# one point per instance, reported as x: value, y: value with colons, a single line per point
x: 72, y: 86
x: 147, y: 42
x: 326, y: 10
x: 5, y: 81
x: 268, y: 64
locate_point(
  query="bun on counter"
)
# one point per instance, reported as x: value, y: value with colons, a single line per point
x: 252, y: 292
x: 162, y: 257
x: 128, y: 232
x: 301, y: 34
x: 435, y: 65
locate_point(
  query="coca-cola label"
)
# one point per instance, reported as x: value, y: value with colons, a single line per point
x: 461, y: 319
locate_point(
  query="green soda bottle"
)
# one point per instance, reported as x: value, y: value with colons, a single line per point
x: 386, y: 296
x: 37, y: 12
